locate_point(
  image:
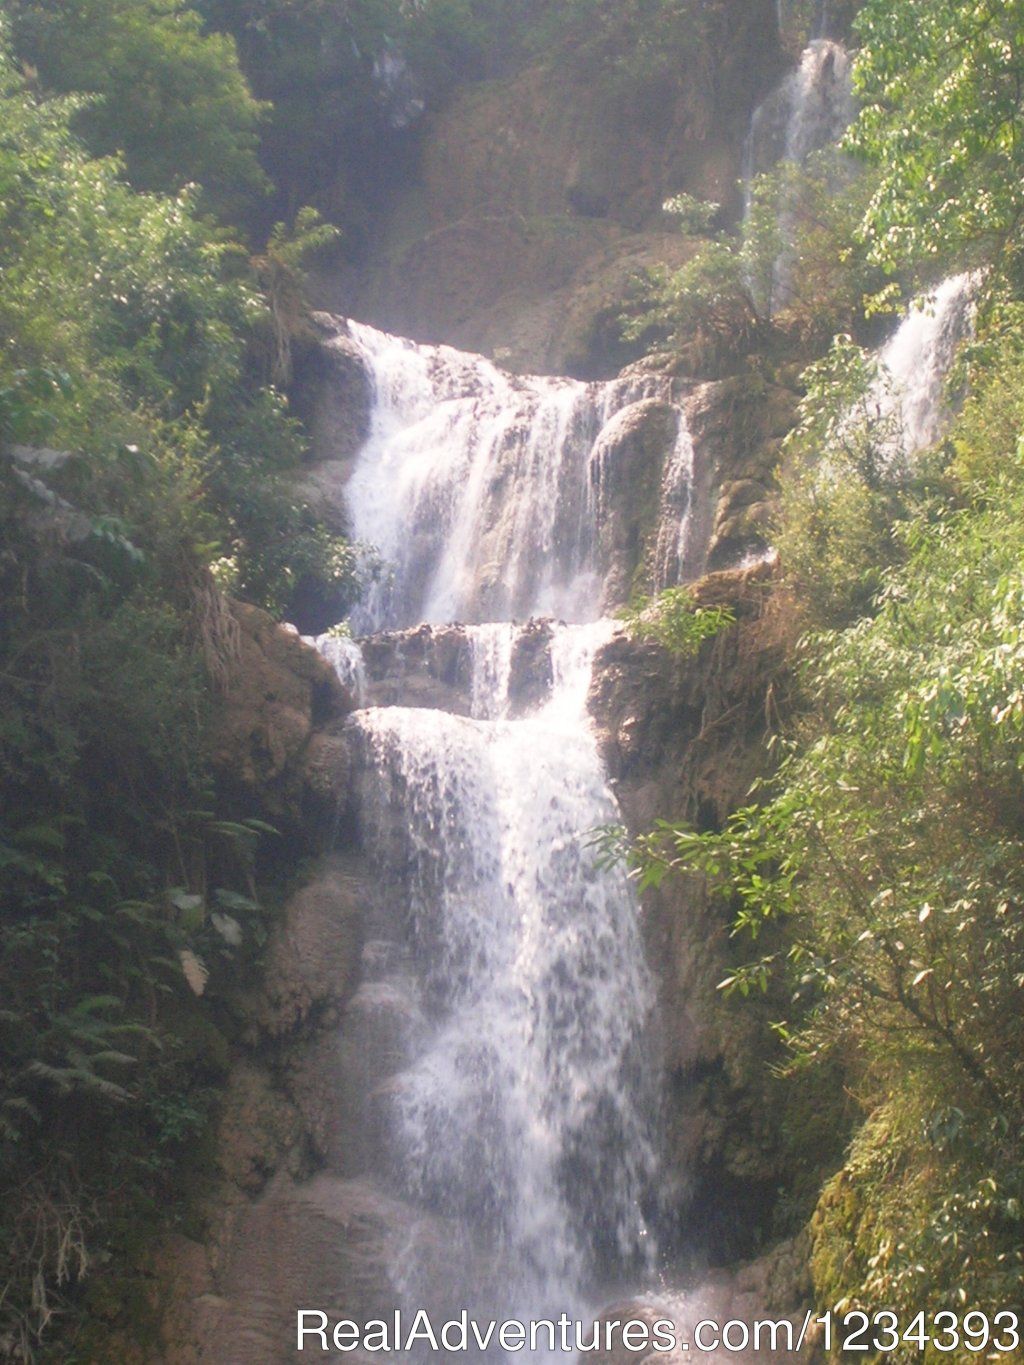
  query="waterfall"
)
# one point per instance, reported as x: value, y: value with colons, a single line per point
x: 809, y: 110
x: 904, y: 409
x: 481, y: 491
x: 522, y: 1112
x: 346, y: 658
x: 916, y: 360
x: 526, y: 1112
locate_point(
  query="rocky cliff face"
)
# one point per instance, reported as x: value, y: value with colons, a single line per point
x: 539, y: 195
x: 684, y: 740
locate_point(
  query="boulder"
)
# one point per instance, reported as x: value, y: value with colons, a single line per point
x: 278, y: 691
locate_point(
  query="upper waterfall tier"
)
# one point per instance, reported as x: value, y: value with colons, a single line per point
x: 489, y: 496
x: 808, y: 110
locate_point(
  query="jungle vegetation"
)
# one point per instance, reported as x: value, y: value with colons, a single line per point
x: 874, y: 882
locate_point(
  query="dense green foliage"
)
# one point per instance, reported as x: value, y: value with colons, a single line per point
x: 137, y: 447
x: 337, y: 86
x: 892, y: 845
x: 940, y: 85
x: 346, y: 84
x: 848, y: 486
x: 877, y: 879
x: 168, y: 96
x: 644, y: 51
x: 674, y: 620
x: 781, y: 282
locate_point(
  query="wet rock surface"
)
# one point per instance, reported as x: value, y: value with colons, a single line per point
x: 300, y: 1213
x: 427, y: 666
x: 683, y: 739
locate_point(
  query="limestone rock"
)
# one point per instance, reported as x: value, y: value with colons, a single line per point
x: 312, y: 961
x: 773, y: 1289
x: 539, y: 196
x: 613, y: 1350
x: 257, y: 1126
x: 634, y: 447
x: 738, y: 425
x: 424, y: 666
x: 530, y: 672
x: 333, y: 394
x: 325, y: 778
x: 279, y: 690
x: 682, y: 739
x: 334, y: 391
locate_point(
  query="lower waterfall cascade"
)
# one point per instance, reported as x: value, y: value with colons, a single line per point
x: 525, y: 1111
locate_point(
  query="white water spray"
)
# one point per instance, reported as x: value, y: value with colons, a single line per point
x: 526, y: 1114
x: 480, y: 490
x: 916, y: 361
x: 809, y: 110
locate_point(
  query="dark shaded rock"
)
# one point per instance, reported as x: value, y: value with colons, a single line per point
x: 311, y: 963
x: 333, y: 395
x: 425, y: 666
x: 325, y: 783
x: 530, y: 676
x: 333, y: 391
x: 257, y: 1124
x: 737, y: 426
x: 683, y: 739
x: 586, y: 202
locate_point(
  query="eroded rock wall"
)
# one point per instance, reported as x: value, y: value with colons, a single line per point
x: 683, y: 740
x: 540, y: 194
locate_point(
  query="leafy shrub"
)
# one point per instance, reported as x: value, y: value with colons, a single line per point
x: 673, y: 620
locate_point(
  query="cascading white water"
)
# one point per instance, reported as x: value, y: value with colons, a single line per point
x: 818, y: 99
x: 809, y: 110
x: 481, y: 491
x: 904, y: 409
x: 916, y: 361
x: 678, y: 509
x: 524, y: 1114
x: 346, y: 658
